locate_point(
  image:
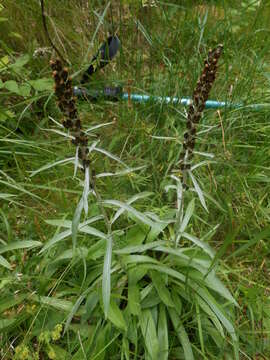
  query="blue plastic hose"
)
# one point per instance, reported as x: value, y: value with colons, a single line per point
x: 111, y: 93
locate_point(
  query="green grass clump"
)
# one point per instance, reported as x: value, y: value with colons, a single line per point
x: 167, y: 279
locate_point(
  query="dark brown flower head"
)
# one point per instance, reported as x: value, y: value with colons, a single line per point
x: 67, y: 105
x: 200, y: 96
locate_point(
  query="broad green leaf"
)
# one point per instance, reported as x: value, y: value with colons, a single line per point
x: 115, y: 315
x: 4, y: 323
x: 12, y: 86
x: 14, y: 322
x: 149, y: 297
x: 207, y: 310
x: 9, y: 301
x: 149, y: 333
x: 219, y: 312
x: 186, y: 258
x: 135, y: 275
x: 60, y: 353
x: 181, y: 334
x: 125, y: 348
x: 59, y: 304
x: 106, y: 277
x: 139, y: 248
x: 59, y: 237
x: 137, y: 259
x: 81, y: 252
x: 20, y: 62
x: 163, y: 333
x: 4, y: 61
x: 5, y: 263
x: 42, y: 84
x: 6, y: 115
x: 135, y: 236
x: 97, y: 250
x: 25, y: 90
x: 25, y: 244
x: 163, y: 291
x: 177, y: 302
x: 134, y: 299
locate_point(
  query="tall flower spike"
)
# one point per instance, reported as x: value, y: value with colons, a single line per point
x: 67, y: 104
x: 200, y: 96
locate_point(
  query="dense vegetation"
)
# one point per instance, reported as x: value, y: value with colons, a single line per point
x: 153, y: 269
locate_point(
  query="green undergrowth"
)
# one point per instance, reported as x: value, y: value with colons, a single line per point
x: 204, y: 296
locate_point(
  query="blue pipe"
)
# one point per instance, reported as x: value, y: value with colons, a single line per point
x: 210, y: 104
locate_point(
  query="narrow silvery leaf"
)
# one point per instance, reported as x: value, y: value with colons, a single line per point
x: 134, y: 198
x: 50, y: 165
x: 205, y: 162
x: 86, y: 190
x: 140, y: 216
x: 120, y: 173
x: 204, y: 154
x: 170, y: 187
x: 59, y: 237
x: 157, y: 219
x: 179, y: 195
x: 209, y: 128
x: 106, y: 278
x: 107, y: 153
x: 163, y: 137
x: 175, y: 178
x: 92, y: 146
x: 56, y: 122
x: 200, y: 243
x: 198, y: 190
x: 76, y: 163
x: 58, y: 132
x: 68, y: 223
x: 98, y: 126
x: 76, y: 221
x: 179, y: 191
x: 188, y: 215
